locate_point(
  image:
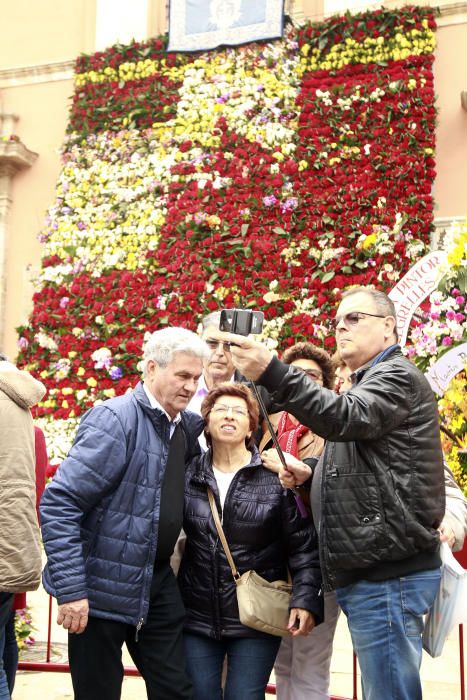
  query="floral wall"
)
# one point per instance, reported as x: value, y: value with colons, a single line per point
x: 271, y: 176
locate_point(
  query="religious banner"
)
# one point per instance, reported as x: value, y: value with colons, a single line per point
x: 414, y: 287
x: 198, y: 25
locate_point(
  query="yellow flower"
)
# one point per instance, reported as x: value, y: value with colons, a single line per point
x: 91, y: 382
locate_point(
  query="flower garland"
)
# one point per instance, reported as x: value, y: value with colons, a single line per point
x: 271, y: 176
x: 445, y: 326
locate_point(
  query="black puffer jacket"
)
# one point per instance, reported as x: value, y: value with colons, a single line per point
x: 382, y: 492
x: 265, y: 532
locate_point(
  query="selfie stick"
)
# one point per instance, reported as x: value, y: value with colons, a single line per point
x: 272, y: 432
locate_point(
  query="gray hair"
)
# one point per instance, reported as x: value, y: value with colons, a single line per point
x: 210, y: 320
x: 164, y: 344
x: 383, y: 303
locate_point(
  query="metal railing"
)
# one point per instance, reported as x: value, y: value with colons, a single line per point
x: 51, y: 666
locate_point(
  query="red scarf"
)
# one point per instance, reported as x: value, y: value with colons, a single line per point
x: 289, y: 433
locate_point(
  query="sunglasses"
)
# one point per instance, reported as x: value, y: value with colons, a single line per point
x: 351, y: 319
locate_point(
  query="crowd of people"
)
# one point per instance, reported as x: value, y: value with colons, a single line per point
x: 353, y: 513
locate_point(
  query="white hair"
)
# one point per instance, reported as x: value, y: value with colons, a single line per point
x: 164, y: 344
x: 211, y: 320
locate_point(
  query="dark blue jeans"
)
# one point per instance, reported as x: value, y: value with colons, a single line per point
x: 249, y: 665
x: 6, y: 603
x: 10, y: 653
x: 386, y: 624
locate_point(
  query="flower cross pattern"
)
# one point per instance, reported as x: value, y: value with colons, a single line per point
x: 270, y: 176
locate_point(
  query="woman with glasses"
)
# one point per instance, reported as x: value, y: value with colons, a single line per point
x: 302, y: 667
x: 265, y: 532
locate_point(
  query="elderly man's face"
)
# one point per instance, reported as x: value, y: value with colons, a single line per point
x: 361, y: 331
x: 219, y: 367
x: 174, y: 386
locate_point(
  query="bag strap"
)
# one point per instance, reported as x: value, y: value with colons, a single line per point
x: 221, y: 534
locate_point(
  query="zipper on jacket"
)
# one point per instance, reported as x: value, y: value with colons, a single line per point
x: 138, y: 627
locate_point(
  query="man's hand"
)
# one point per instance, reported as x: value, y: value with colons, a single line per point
x: 301, y: 622
x: 446, y: 534
x: 248, y: 356
x: 74, y: 615
x: 297, y: 472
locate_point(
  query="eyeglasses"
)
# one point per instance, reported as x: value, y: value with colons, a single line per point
x: 221, y: 408
x: 351, y: 319
x: 214, y: 344
x: 314, y: 374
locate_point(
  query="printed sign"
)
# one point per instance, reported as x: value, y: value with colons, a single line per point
x: 414, y: 287
x: 440, y: 374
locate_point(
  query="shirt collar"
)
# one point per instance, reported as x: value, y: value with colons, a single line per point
x: 155, y: 404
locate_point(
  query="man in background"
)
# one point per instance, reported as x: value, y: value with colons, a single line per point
x: 218, y: 367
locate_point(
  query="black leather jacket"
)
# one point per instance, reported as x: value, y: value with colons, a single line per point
x: 265, y: 532
x: 382, y: 491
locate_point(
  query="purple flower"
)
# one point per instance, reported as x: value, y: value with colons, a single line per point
x: 270, y: 200
x: 23, y: 343
x: 115, y: 372
x: 289, y: 205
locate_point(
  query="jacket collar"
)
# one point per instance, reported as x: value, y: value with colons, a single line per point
x: 356, y: 376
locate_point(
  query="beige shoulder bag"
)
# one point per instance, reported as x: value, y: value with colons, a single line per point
x: 262, y: 605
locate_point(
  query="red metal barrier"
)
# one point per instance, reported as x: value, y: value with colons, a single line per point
x: 50, y: 666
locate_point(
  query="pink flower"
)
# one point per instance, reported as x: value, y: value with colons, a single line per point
x: 446, y: 340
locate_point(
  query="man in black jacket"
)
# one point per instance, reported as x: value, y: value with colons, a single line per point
x: 379, y: 485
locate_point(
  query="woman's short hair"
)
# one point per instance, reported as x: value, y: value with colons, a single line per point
x: 308, y: 351
x: 164, y: 344
x: 238, y: 390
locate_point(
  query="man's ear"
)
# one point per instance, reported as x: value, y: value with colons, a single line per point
x: 389, y: 326
x: 151, y: 367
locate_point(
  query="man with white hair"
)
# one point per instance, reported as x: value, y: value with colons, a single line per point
x: 110, y: 520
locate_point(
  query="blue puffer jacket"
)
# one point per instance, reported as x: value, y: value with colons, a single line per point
x: 100, y: 514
